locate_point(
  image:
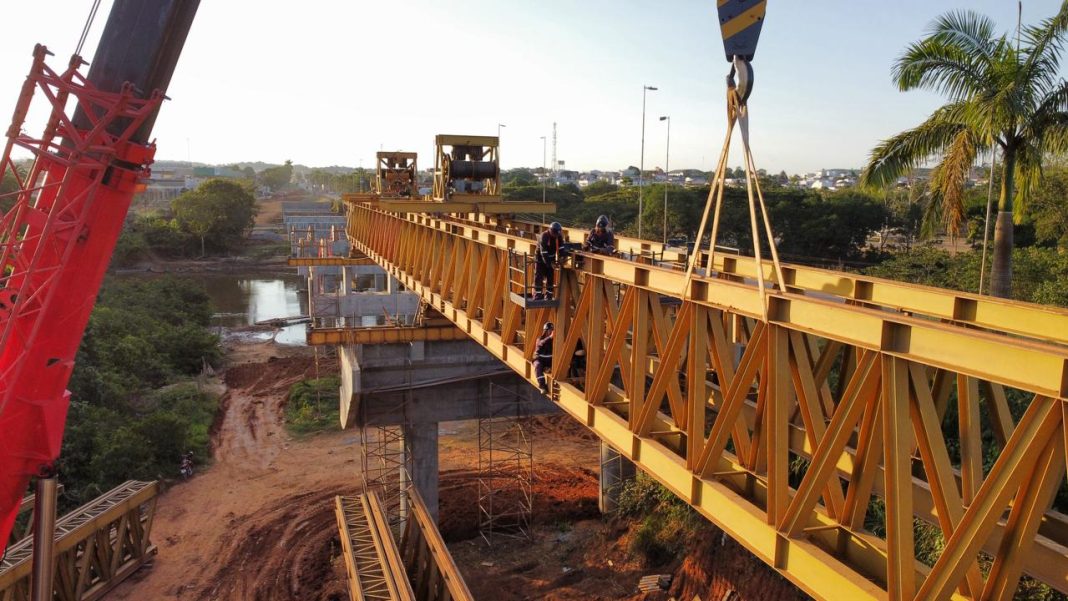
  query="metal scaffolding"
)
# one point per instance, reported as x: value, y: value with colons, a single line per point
x: 386, y: 465
x: 386, y: 460
x: 505, y: 465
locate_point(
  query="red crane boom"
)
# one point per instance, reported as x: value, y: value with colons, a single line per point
x: 57, y: 239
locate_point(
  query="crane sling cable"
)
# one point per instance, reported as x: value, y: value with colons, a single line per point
x: 737, y: 114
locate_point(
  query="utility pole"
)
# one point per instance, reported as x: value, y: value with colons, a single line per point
x: 554, y: 148
x: 667, y: 172
x: 641, y: 164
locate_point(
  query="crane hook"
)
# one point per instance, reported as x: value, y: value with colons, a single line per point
x: 740, y: 78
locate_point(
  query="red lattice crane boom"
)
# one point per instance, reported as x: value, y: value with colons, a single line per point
x: 57, y: 239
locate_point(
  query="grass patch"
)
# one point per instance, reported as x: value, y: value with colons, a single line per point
x: 666, y: 522
x: 313, y: 406
x: 266, y: 250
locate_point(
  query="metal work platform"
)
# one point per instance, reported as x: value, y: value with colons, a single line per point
x: 717, y: 393
x: 97, y: 546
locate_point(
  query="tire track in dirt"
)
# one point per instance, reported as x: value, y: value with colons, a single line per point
x: 252, y: 429
x: 286, y: 550
x: 259, y: 523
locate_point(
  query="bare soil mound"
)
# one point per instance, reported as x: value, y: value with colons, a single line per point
x: 288, y: 549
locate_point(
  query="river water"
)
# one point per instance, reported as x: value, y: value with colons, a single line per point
x: 242, y: 300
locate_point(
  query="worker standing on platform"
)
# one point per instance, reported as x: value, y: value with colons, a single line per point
x: 601, y: 240
x: 547, y: 260
x: 543, y: 355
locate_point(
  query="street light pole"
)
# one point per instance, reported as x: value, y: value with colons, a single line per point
x: 641, y: 164
x: 499, y: 126
x: 544, y: 175
x: 667, y: 172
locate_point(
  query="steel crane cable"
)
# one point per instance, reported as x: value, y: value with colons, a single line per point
x: 88, y: 24
x: 737, y: 114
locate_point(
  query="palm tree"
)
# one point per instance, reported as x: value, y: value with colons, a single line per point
x: 1003, y: 94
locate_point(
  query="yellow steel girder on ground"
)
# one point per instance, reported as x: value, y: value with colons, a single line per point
x: 373, y: 562
x: 859, y: 392
x: 434, y: 575
x: 383, y: 334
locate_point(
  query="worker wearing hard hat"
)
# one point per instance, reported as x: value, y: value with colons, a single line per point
x: 547, y: 260
x: 601, y: 240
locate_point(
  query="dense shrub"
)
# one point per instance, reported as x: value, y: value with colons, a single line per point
x: 134, y: 410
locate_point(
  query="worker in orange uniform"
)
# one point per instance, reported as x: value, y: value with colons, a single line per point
x: 547, y: 260
x: 543, y: 355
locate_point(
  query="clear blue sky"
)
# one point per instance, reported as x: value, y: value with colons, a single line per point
x: 331, y: 82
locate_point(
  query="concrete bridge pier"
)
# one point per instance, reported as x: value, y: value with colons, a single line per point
x: 416, y: 386
x: 421, y: 441
x: 616, y: 470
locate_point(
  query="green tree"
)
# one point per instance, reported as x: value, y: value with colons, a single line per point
x: 220, y: 211
x: 1049, y: 208
x: 8, y: 186
x: 519, y: 177
x: 599, y: 187
x: 1002, y: 94
x: 277, y: 178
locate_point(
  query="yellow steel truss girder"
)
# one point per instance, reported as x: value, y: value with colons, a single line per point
x: 844, y: 579
x: 858, y: 563
x: 1032, y: 366
x: 382, y: 335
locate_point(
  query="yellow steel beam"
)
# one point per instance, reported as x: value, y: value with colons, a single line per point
x: 667, y: 467
x: 464, y: 140
x: 372, y: 560
x: 383, y: 334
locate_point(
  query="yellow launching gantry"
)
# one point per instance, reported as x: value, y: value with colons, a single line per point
x: 467, y: 180
x: 466, y: 168
x: 396, y: 175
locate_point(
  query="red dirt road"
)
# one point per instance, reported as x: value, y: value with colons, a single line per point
x: 259, y: 522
